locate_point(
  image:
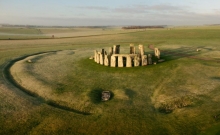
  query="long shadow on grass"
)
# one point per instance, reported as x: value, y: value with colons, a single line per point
x: 187, y: 52
x: 95, y: 95
x: 53, y: 104
x: 130, y: 93
x: 7, y: 75
x: 216, y: 78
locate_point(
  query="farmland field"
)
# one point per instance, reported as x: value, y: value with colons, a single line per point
x: 48, y: 33
x: 58, y: 92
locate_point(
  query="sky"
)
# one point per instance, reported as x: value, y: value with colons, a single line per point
x: 109, y: 12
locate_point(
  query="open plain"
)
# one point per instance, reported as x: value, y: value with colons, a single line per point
x: 59, y: 91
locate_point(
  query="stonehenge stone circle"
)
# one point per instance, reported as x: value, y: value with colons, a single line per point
x: 114, y: 59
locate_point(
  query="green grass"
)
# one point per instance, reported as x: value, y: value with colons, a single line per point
x: 7, y: 33
x: 214, y: 130
x: 20, y: 30
x: 69, y: 84
x: 20, y: 33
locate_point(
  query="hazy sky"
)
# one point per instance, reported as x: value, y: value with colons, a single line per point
x: 110, y: 12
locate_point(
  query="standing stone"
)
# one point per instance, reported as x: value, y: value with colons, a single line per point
x: 114, y: 49
x: 144, y: 60
x: 132, y: 49
x: 149, y: 59
x: 120, y: 61
x: 113, y: 61
x: 109, y: 59
x: 157, y: 53
x: 95, y: 57
x: 141, y: 49
x: 136, y: 61
x: 101, y: 59
x: 110, y: 51
x: 128, y: 61
x: 117, y: 51
x: 106, y: 60
x: 103, y: 52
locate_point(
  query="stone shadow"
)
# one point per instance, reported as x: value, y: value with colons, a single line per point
x: 130, y: 93
x: 56, y: 105
x: 95, y: 95
x: 216, y: 78
x: 187, y: 52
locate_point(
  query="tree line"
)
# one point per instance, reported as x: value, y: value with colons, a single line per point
x: 142, y: 27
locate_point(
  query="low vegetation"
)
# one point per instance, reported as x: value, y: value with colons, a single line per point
x: 142, y: 27
x: 170, y: 106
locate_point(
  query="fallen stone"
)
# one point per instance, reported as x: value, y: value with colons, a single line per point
x: 29, y: 61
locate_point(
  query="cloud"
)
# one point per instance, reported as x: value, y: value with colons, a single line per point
x: 136, y: 8
x: 166, y: 7
x: 159, y: 14
x: 149, y: 8
x: 128, y: 10
x: 217, y: 11
x: 94, y: 8
x: 148, y: 19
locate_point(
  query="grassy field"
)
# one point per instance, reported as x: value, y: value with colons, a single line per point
x: 20, y: 33
x: 48, y: 33
x: 178, y: 96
